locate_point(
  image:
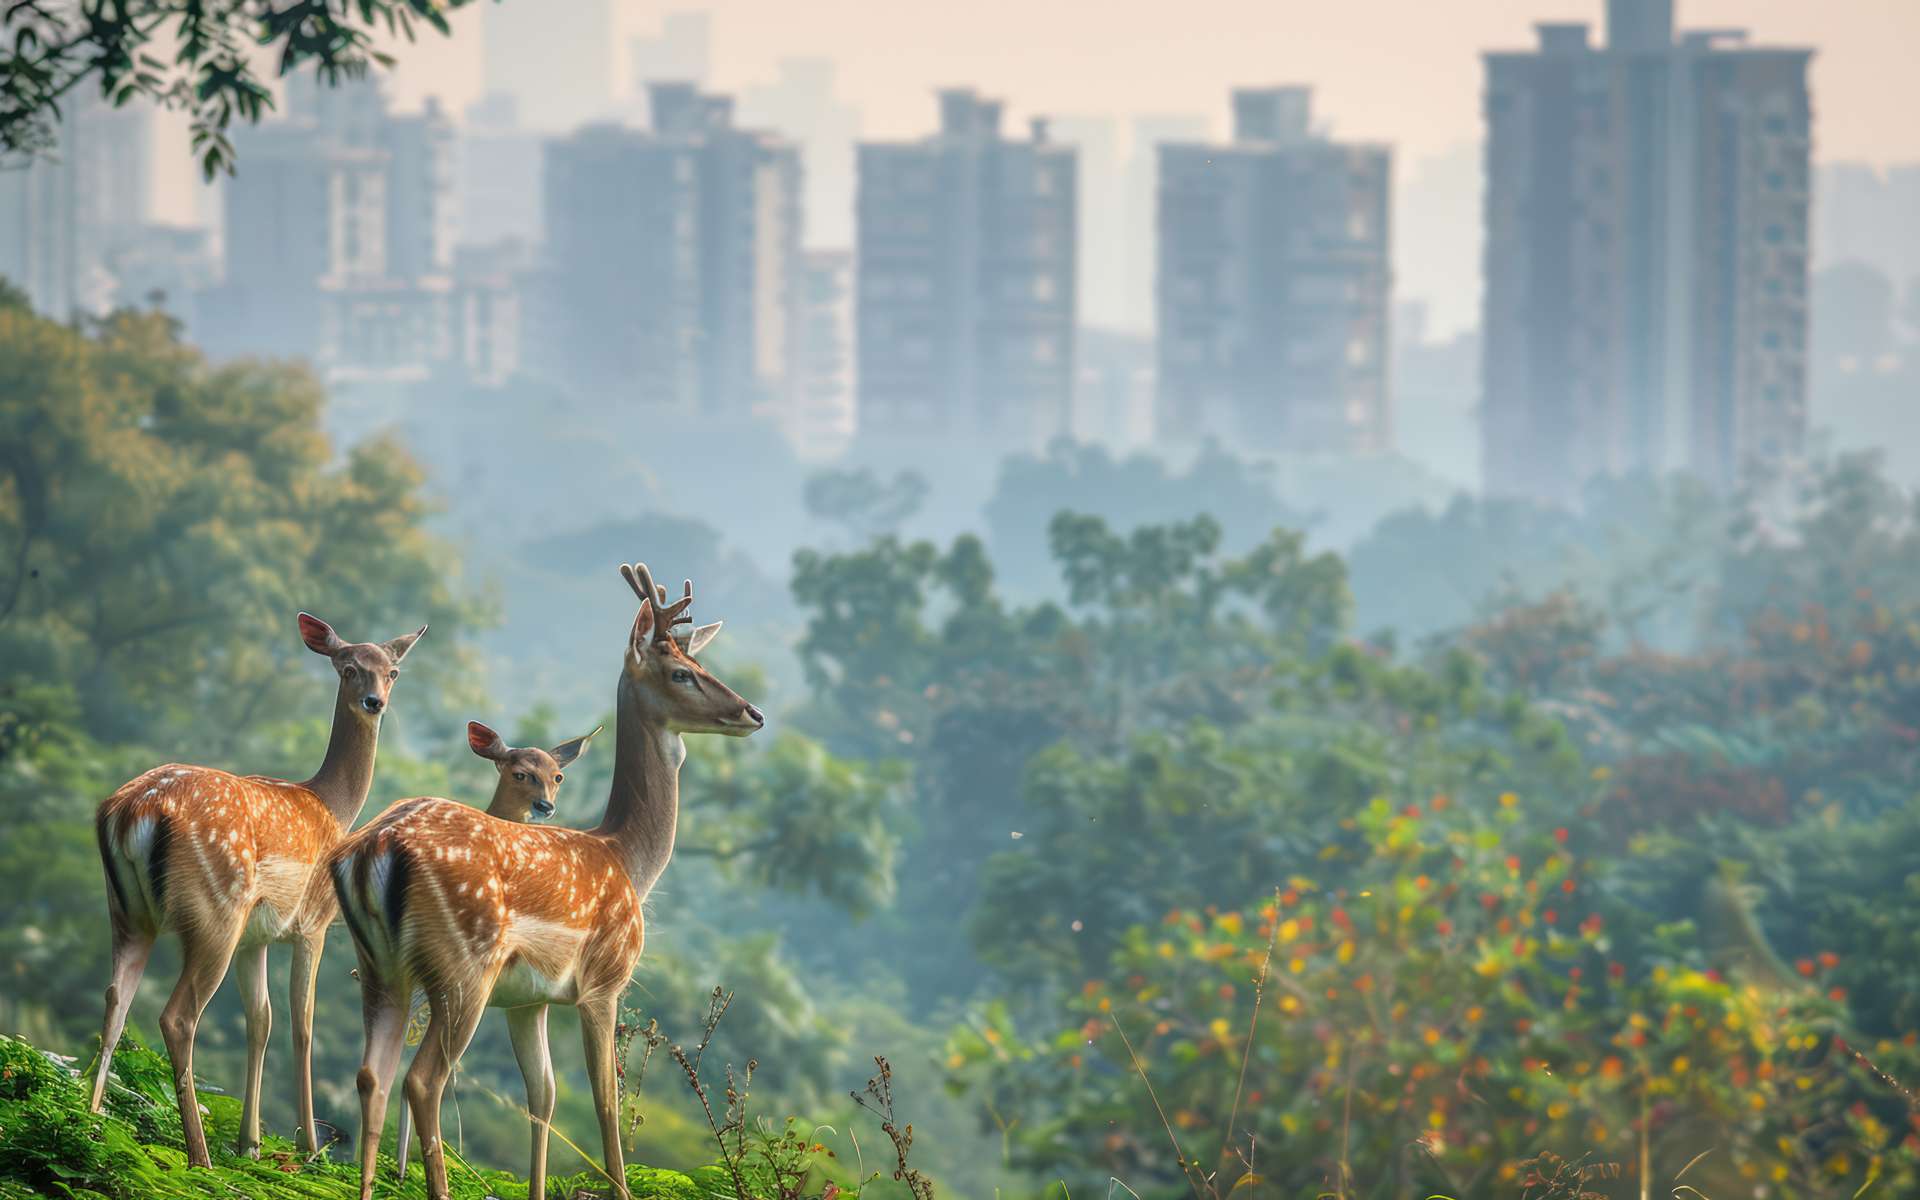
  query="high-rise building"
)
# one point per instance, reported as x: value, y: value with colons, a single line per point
x: 1646, y: 254
x: 672, y: 258
x: 1274, y: 284
x: 1139, y: 211
x: 821, y: 416
x: 557, y: 67
x: 65, y: 214
x: 1101, y: 219
x: 966, y: 296
x: 498, y: 172
x: 338, y: 239
x: 803, y: 104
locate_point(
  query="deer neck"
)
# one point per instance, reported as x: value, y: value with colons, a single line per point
x: 346, y: 773
x: 643, y: 806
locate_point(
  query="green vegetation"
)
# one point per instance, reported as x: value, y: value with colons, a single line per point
x: 1159, y: 862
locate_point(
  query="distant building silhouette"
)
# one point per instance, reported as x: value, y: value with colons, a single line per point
x: 1274, y: 284
x: 1646, y: 255
x: 672, y: 259
x: 1140, y: 208
x: 66, y: 214
x: 556, y: 63
x: 966, y: 295
x: 339, y: 231
x: 802, y: 103
x: 1101, y: 218
x: 497, y: 162
x: 820, y: 420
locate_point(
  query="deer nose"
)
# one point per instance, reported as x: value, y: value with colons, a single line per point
x: 372, y: 704
x: 756, y: 716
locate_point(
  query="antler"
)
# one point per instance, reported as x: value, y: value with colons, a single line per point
x: 665, y: 616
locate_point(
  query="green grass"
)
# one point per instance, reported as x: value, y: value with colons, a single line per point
x: 51, y: 1146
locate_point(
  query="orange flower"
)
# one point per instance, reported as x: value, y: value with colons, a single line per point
x: 1829, y: 959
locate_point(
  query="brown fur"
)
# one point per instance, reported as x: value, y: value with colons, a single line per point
x: 228, y: 862
x: 479, y: 911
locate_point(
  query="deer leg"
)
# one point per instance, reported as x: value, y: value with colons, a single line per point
x: 448, y: 1032
x: 250, y: 971
x: 597, y: 1032
x: 130, y: 951
x: 385, y: 1019
x: 204, y: 955
x: 529, y: 1029
x: 306, y: 969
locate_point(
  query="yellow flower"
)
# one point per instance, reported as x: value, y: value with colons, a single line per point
x: 1556, y: 1110
x: 1680, y: 1065
x: 1289, y: 930
x: 1345, y: 953
x: 1231, y: 923
x: 1164, y: 949
x: 1838, y: 1165
x: 1432, y: 1036
x: 1508, y: 799
x: 1289, y: 1003
x: 1106, y: 1004
x: 1437, y: 1119
x: 1297, y: 965
x: 1218, y: 1028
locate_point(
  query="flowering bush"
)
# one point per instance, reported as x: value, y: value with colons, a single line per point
x: 1458, y: 988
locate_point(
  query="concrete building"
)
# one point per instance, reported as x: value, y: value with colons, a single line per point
x: 65, y: 214
x: 673, y: 259
x: 1140, y: 212
x: 1101, y: 219
x: 821, y: 417
x: 557, y: 66
x: 1274, y: 285
x: 338, y: 233
x: 966, y: 299
x: 803, y: 103
x: 497, y: 172
x: 1646, y: 254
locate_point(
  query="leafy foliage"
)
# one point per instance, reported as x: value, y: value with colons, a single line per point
x: 48, y: 50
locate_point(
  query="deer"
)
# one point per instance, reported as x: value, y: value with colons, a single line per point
x: 479, y: 912
x: 224, y: 861
x: 529, y: 776
x: 529, y: 779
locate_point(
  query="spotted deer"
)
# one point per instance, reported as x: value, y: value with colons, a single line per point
x: 529, y: 779
x: 478, y: 912
x: 224, y: 861
x: 529, y: 776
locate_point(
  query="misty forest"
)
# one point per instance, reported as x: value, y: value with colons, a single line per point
x: 1151, y: 818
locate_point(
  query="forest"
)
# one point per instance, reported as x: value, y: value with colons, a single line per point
x: 1160, y: 845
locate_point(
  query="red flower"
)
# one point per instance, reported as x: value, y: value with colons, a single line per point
x: 1513, y: 863
x: 1829, y: 959
x: 1566, y: 885
x: 1560, y: 835
x: 1488, y: 900
x: 1444, y: 928
x: 1616, y: 970
x: 1550, y: 917
x: 1341, y: 919
x: 1805, y: 967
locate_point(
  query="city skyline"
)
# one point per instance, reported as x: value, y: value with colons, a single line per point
x: 1428, y: 54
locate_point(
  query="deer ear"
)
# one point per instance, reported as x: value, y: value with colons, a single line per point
x: 698, y: 639
x: 485, y: 742
x: 567, y: 751
x: 318, y: 635
x: 398, y: 647
x: 643, y: 627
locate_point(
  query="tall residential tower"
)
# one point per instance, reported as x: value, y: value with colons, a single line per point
x: 1646, y: 254
x: 966, y: 296
x: 1274, y: 284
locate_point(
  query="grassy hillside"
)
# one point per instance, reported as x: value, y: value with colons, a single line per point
x: 50, y: 1145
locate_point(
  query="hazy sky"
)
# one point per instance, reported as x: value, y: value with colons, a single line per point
x: 1406, y: 71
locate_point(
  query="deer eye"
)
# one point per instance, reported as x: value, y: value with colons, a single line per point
x: 682, y: 675
x: 557, y: 777
x: 349, y: 671
x: 520, y: 775
x: 392, y: 675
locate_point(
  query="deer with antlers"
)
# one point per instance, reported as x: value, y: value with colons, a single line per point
x: 225, y: 861
x: 478, y: 912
